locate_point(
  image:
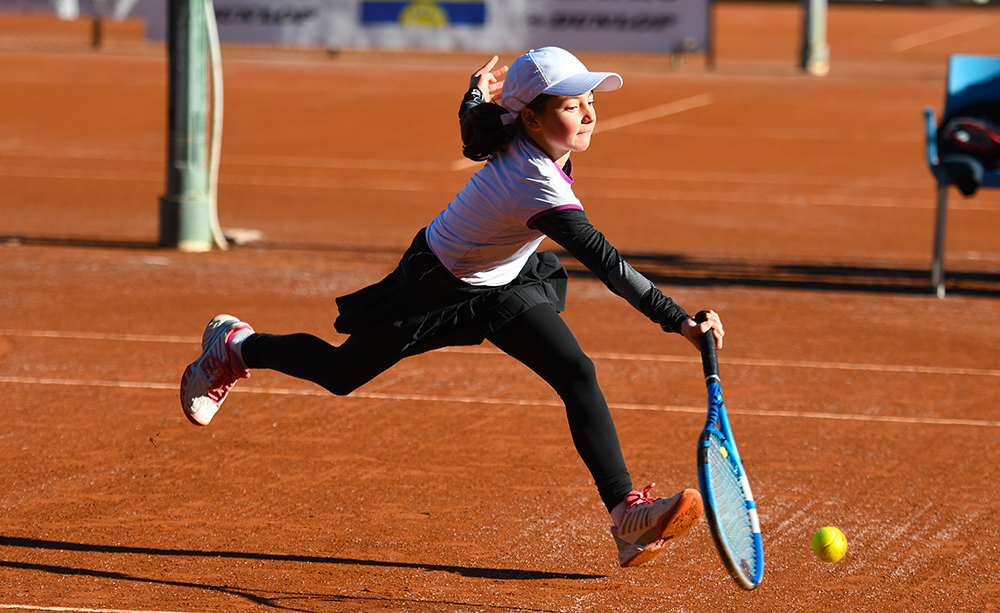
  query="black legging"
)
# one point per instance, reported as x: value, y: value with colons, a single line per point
x: 538, y: 338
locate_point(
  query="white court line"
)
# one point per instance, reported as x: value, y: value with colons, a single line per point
x: 773, y: 199
x: 752, y: 178
x: 673, y: 194
x: 797, y: 134
x: 101, y: 336
x: 670, y: 108
x: 236, y: 159
x: 25, y: 607
x: 652, y: 357
x: 941, y: 32
x: 627, y: 357
x: 231, y: 179
x: 933, y: 421
x: 891, y: 368
x: 628, y: 119
x: 451, y: 187
x: 26, y: 172
x: 288, y: 161
x: 425, y: 167
x: 631, y: 174
x: 233, y: 159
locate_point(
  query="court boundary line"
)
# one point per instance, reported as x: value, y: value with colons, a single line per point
x: 941, y: 32
x: 277, y: 391
x: 628, y: 119
x: 782, y: 198
x: 80, y: 609
x: 333, y: 163
x: 627, y: 357
x: 663, y: 110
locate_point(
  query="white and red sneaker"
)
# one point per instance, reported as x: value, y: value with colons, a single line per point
x: 643, y: 525
x: 207, y: 380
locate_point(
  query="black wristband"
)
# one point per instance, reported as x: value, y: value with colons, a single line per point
x: 473, y: 97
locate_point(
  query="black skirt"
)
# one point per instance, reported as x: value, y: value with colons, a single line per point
x: 422, y: 306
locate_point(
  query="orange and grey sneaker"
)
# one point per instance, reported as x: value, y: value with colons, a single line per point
x: 643, y: 525
x: 207, y: 380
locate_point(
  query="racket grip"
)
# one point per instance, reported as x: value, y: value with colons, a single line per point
x: 709, y: 358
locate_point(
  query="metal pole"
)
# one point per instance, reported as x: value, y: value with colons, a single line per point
x: 940, y: 231
x: 710, y: 30
x: 185, y: 215
x: 815, y: 51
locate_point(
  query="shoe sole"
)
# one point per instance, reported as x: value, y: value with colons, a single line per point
x: 682, y: 517
x: 207, y: 338
x: 677, y: 522
x: 648, y: 553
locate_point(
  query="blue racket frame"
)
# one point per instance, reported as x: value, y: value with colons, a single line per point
x: 745, y: 559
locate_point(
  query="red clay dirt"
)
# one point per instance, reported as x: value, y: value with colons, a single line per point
x: 800, y: 208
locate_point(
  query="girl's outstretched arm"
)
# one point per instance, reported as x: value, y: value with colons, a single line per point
x: 571, y: 229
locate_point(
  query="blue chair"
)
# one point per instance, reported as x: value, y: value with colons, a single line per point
x: 971, y: 79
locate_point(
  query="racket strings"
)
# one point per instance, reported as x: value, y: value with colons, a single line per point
x: 730, y: 508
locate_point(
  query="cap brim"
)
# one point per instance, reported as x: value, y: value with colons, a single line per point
x: 583, y: 82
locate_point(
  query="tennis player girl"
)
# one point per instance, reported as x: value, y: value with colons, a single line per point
x: 473, y: 273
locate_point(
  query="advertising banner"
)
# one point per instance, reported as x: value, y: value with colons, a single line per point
x: 68, y: 9
x: 659, y: 26
x: 620, y: 25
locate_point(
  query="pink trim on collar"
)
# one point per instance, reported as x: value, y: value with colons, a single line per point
x: 566, y: 177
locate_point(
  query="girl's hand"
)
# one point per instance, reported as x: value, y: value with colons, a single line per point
x: 693, y: 330
x: 486, y: 80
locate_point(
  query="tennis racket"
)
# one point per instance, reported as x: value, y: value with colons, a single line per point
x: 729, y: 505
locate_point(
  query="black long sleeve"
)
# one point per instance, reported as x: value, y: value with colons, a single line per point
x: 572, y: 231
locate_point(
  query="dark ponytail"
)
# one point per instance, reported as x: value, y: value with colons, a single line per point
x: 483, y: 131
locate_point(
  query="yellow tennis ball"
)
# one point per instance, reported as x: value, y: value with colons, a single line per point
x: 829, y: 544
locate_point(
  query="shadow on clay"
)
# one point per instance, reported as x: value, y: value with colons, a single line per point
x: 278, y: 600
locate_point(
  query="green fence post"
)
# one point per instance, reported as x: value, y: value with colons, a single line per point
x: 185, y: 215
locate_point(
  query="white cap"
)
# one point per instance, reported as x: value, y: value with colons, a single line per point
x: 550, y: 70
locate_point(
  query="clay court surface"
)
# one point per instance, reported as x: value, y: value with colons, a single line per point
x: 799, y: 208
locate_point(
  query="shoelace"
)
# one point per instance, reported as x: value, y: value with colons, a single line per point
x: 225, y: 377
x: 644, y: 497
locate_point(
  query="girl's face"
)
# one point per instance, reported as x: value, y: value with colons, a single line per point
x: 564, y: 126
